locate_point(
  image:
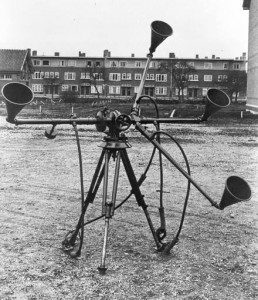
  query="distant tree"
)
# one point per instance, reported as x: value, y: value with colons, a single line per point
x: 180, y: 72
x: 94, y: 74
x: 234, y: 83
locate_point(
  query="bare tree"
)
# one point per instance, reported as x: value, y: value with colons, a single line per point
x: 179, y: 71
x: 234, y: 83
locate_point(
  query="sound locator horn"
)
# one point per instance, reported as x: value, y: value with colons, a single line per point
x: 236, y: 190
x: 215, y: 100
x: 17, y: 95
x: 159, y: 32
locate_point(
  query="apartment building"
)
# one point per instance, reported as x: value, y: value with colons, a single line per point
x: 119, y: 77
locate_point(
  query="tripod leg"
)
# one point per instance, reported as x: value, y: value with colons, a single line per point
x: 138, y: 195
x: 69, y: 241
x: 108, y: 208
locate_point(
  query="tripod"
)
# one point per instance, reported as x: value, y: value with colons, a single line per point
x: 115, y: 147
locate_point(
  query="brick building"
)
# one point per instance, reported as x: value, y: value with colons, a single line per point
x: 15, y: 65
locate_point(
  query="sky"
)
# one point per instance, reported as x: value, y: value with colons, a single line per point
x: 203, y: 27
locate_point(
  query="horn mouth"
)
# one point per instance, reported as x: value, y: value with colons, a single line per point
x: 218, y: 98
x: 238, y: 188
x: 17, y: 93
x: 161, y: 28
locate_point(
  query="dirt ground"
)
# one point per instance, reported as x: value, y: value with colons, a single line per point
x: 217, y: 253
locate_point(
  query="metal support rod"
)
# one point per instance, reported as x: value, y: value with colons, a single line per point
x: 144, y: 132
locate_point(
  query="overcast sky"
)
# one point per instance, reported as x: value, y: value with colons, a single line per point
x: 203, y: 27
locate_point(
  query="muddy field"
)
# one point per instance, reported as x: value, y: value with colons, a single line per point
x: 217, y: 253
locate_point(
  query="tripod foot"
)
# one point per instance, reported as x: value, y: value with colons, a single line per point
x: 102, y: 270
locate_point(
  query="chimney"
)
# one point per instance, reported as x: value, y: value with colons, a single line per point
x: 34, y: 53
x: 107, y: 53
x: 206, y: 57
x: 197, y: 56
x: 172, y: 55
x: 213, y: 56
x: 82, y: 54
x: 237, y: 58
x: 57, y: 53
x: 132, y: 55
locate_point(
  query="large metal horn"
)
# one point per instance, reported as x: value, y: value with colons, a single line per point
x: 215, y: 100
x: 236, y: 190
x: 17, y: 95
x: 160, y: 31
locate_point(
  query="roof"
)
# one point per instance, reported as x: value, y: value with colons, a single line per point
x: 246, y: 4
x: 12, y: 60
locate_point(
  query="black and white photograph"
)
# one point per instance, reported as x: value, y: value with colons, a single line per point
x: 129, y: 150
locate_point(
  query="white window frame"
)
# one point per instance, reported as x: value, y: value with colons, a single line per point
x: 138, y: 64
x: 69, y: 75
x: 114, y: 76
x: 126, y: 76
x: 207, y: 78
x: 71, y: 63
x: 113, y: 64
x: 236, y: 66
x: 161, y: 77
x: 65, y: 87
x: 137, y: 76
x: 62, y: 63
x: 56, y: 74
x: 208, y: 65
x: 225, y: 66
x: 123, y: 64
x: 37, y: 88
x: 150, y: 77
x: 114, y: 90
x: 161, y: 90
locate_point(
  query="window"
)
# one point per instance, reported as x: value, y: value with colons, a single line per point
x: 114, y: 76
x: 138, y: 64
x: 97, y: 64
x: 225, y: 66
x: 153, y: 64
x: 45, y: 63
x: 62, y: 63
x: 220, y: 77
x: 69, y: 75
x: 207, y: 65
x: 97, y: 76
x: 38, y: 75
x: 89, y: 64
x: 114, y: 89
x: 126, y: 76
x: 204, y: 91
x: 137, y: 76
x: 95, y: 91
x: 236, y: 66
x: 196, y: 78
x: 207, y: 77
x: 56, y: 74
x: 225, y: 78
x: 113, y: 64
x: 150, y: 77
x: 36, y: 62
x: 161, y: 90
x: 37, y: 88
x: 161, y: 77
x: 5, y: 76
x: 71, y: 63
x: 74, y: 88
x: 52, y: 74
x: 46, y: 75
x: 85, y: 75
x: 64, y: 87
x: 191, y: 63
x: 123, y: 63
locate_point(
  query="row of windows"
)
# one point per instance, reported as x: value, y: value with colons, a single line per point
x: 124, y: 64
x: 99, y: 76
x: 112, y: 90
x: 5, y: 76
x: 115, y: 76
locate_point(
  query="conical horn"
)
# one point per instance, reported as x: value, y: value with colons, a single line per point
x: 160, y: 31
x: 236, y: 190
x: 216, y: 99
x: 17, y: 95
